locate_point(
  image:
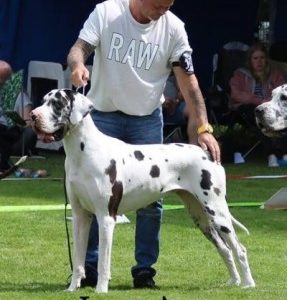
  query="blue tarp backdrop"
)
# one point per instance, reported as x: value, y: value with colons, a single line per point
x: 46, y: 29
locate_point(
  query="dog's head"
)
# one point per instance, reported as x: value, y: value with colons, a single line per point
x: 61, y: 109
x: 271, y: 117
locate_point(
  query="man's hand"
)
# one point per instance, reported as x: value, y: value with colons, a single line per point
x: 208, y: 142
x: 80, y: 75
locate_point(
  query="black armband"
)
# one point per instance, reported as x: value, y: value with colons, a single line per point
x: 185, y: 62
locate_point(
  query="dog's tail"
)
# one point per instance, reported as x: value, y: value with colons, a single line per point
x: 239, y: 225
x: 13, y: 168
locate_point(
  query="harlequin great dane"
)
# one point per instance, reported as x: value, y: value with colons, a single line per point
x: 271, y: 116
x: 106, y: 177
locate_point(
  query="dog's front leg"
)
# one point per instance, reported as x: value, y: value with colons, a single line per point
x: 81, y: 227
x: 106, y: 229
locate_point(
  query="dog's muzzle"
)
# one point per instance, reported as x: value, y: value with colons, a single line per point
x: 47, y: 137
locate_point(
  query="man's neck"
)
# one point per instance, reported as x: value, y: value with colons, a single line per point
x: 136, y: 12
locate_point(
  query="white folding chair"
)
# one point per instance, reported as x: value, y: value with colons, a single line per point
x: 52, y: 72
x: 44, y: 76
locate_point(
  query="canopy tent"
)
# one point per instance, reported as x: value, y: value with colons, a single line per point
x: 45, y: 30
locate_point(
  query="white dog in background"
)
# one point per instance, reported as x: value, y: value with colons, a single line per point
x: 271, y: 116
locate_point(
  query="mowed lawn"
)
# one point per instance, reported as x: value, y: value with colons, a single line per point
x: 34, y: 260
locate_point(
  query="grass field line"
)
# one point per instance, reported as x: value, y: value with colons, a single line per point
x: 23, y: 208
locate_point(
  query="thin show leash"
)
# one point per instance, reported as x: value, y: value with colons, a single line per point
x: 66, y: 214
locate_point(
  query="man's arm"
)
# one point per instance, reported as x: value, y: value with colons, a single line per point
x: 196, y: 111
x: 76, y: 59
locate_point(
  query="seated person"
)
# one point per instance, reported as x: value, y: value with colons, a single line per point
x: 253, y: 85
x: 11, y: 135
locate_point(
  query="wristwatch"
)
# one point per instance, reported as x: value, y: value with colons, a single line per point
x: 205, y: 128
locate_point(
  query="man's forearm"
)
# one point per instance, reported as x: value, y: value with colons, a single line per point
x: 79, y: 53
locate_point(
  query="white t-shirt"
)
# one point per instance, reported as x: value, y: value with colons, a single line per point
x: 132, y: 60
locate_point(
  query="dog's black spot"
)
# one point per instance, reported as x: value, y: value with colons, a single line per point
x: 111, y: 170
x: 138, y: 155
x: 124, y: 161
x: 179, y: 145
x: 166, y: 160
x: 205, y: 193
x: 70, y: 94
x: 225, y: 229
x: 204, y: 158
x: 58, y: 95
x: 205, y: 182
x: 161, y: 189
x: 178, y: 178
x: 154, y: 171
x: 210, y: 211
x: 115, y: 199
x: 216, y: 191
x: 82, y: 145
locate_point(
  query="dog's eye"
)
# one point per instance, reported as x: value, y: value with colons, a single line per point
x: 283, y: 97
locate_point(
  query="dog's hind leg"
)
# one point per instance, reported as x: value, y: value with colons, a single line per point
x: 106, y: 229
x: 240, y: 254
x: 204, y: 220
x: 81, y: 226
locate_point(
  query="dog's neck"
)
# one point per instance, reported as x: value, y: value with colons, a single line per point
x: 82, y: 134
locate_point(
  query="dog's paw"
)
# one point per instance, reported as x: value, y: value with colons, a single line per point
x: 233, y: 281
x: 74, y: 285
x: 248, y: 285
x: 102, y: 287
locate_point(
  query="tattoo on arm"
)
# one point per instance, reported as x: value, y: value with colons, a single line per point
x: 79, y: 52
x: 198, y: 105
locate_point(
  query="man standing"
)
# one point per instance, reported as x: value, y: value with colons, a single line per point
x: 136, y: 44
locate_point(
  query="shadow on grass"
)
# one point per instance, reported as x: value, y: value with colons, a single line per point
x: 31, y: 287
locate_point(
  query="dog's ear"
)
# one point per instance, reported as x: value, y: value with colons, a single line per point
x: 80, y: 106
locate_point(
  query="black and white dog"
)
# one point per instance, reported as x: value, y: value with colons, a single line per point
x: 106, y: 177
x: 271, y: 116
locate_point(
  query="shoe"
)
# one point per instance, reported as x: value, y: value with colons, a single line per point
x: 272, y: 161
x: 91, y: 278
x: 284, y: 157
x: 144, y: 283
x: 143, y: 279
x: 88, y: 281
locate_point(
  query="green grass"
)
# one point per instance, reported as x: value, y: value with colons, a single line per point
x: 34, y: 260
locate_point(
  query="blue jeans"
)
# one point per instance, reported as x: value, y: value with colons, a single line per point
x: 133, y: 130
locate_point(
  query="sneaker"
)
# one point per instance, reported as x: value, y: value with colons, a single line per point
x: 272, y: 161
x: 284, y: 157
